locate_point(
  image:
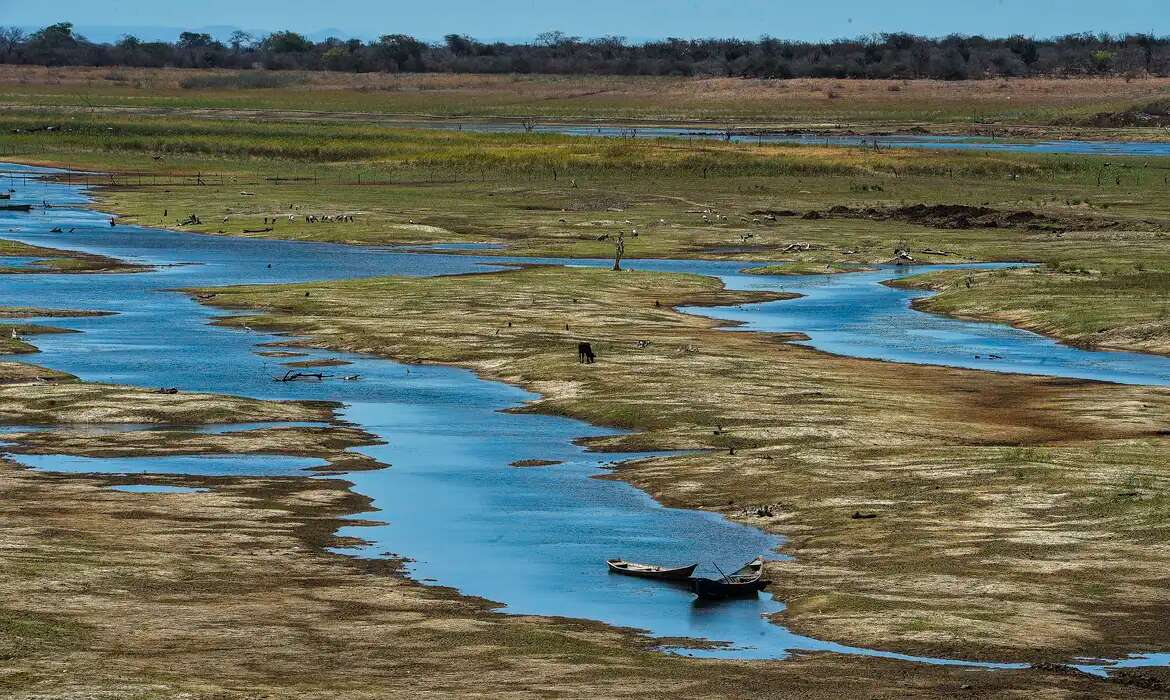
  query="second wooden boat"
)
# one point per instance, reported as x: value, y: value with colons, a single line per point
x: 744, y: 583
x: 632, y: 568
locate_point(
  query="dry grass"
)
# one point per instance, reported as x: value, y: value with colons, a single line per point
x: 1001, y: 533
x: 807, y: 102
x: 229, y: 594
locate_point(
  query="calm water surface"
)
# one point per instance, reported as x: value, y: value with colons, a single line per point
x: 916, y: 141
x: 533, y: 539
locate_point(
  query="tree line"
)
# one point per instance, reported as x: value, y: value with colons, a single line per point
x: 896, y: 56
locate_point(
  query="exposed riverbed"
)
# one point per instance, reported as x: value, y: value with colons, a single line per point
x: 533, y: 539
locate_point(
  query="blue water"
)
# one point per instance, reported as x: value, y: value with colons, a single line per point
x: 916, y: 141
x: 18, y: 262
x: 855, y: 314
x: 156, y: 488
x: 534, y: 540
x: 199, y: 465
x: 106, y: 428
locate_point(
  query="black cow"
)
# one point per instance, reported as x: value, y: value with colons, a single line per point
x: 585, y: 353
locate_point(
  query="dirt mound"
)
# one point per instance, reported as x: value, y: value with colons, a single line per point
x: 960, y: 216
x: 1152, y: 114
x: 773, y: 212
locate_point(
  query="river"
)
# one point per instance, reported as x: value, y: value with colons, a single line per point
x: 535, y: 540
x: 762, y: 136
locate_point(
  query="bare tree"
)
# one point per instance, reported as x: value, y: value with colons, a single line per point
x: 619, y: 252
x: 10, y: 39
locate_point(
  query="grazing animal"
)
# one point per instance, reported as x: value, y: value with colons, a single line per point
x: 585, y: 353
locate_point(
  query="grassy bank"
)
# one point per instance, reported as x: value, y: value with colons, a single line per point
x: 46, y: 260
x: 807, y: 208
x: 1048, y: 492
x: 1123, y: 309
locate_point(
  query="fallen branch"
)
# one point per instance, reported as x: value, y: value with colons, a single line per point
x: 292, y: 376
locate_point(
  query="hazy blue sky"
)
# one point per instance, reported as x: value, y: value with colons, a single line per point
x: 637, y: 19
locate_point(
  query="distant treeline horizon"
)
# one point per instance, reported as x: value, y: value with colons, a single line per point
x: 880, y: 56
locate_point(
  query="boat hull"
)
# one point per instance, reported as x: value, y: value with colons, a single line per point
x: 710, y: 589
x: 624, y: 568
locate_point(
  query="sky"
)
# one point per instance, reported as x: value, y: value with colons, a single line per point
x: 636, y: 19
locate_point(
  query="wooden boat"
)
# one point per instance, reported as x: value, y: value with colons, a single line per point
x: 744, y: 583
x: 630, y: 568
x: 15, y: 207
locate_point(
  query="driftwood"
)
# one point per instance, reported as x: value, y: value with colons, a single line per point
x: 257, y: 230
x: 292, y: 376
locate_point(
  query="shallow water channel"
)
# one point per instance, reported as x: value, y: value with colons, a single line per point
x: 535, y: 540
x: 932, y: 142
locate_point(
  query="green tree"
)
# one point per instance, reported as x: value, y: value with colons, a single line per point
x: 336, y: 58
x: 287, y: 42
x: 399, y: 52
x: 56, y: 36
x: 193, y: 40
x: 1103, y: 61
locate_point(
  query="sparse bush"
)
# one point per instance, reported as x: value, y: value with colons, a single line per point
x: 252, y: 80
